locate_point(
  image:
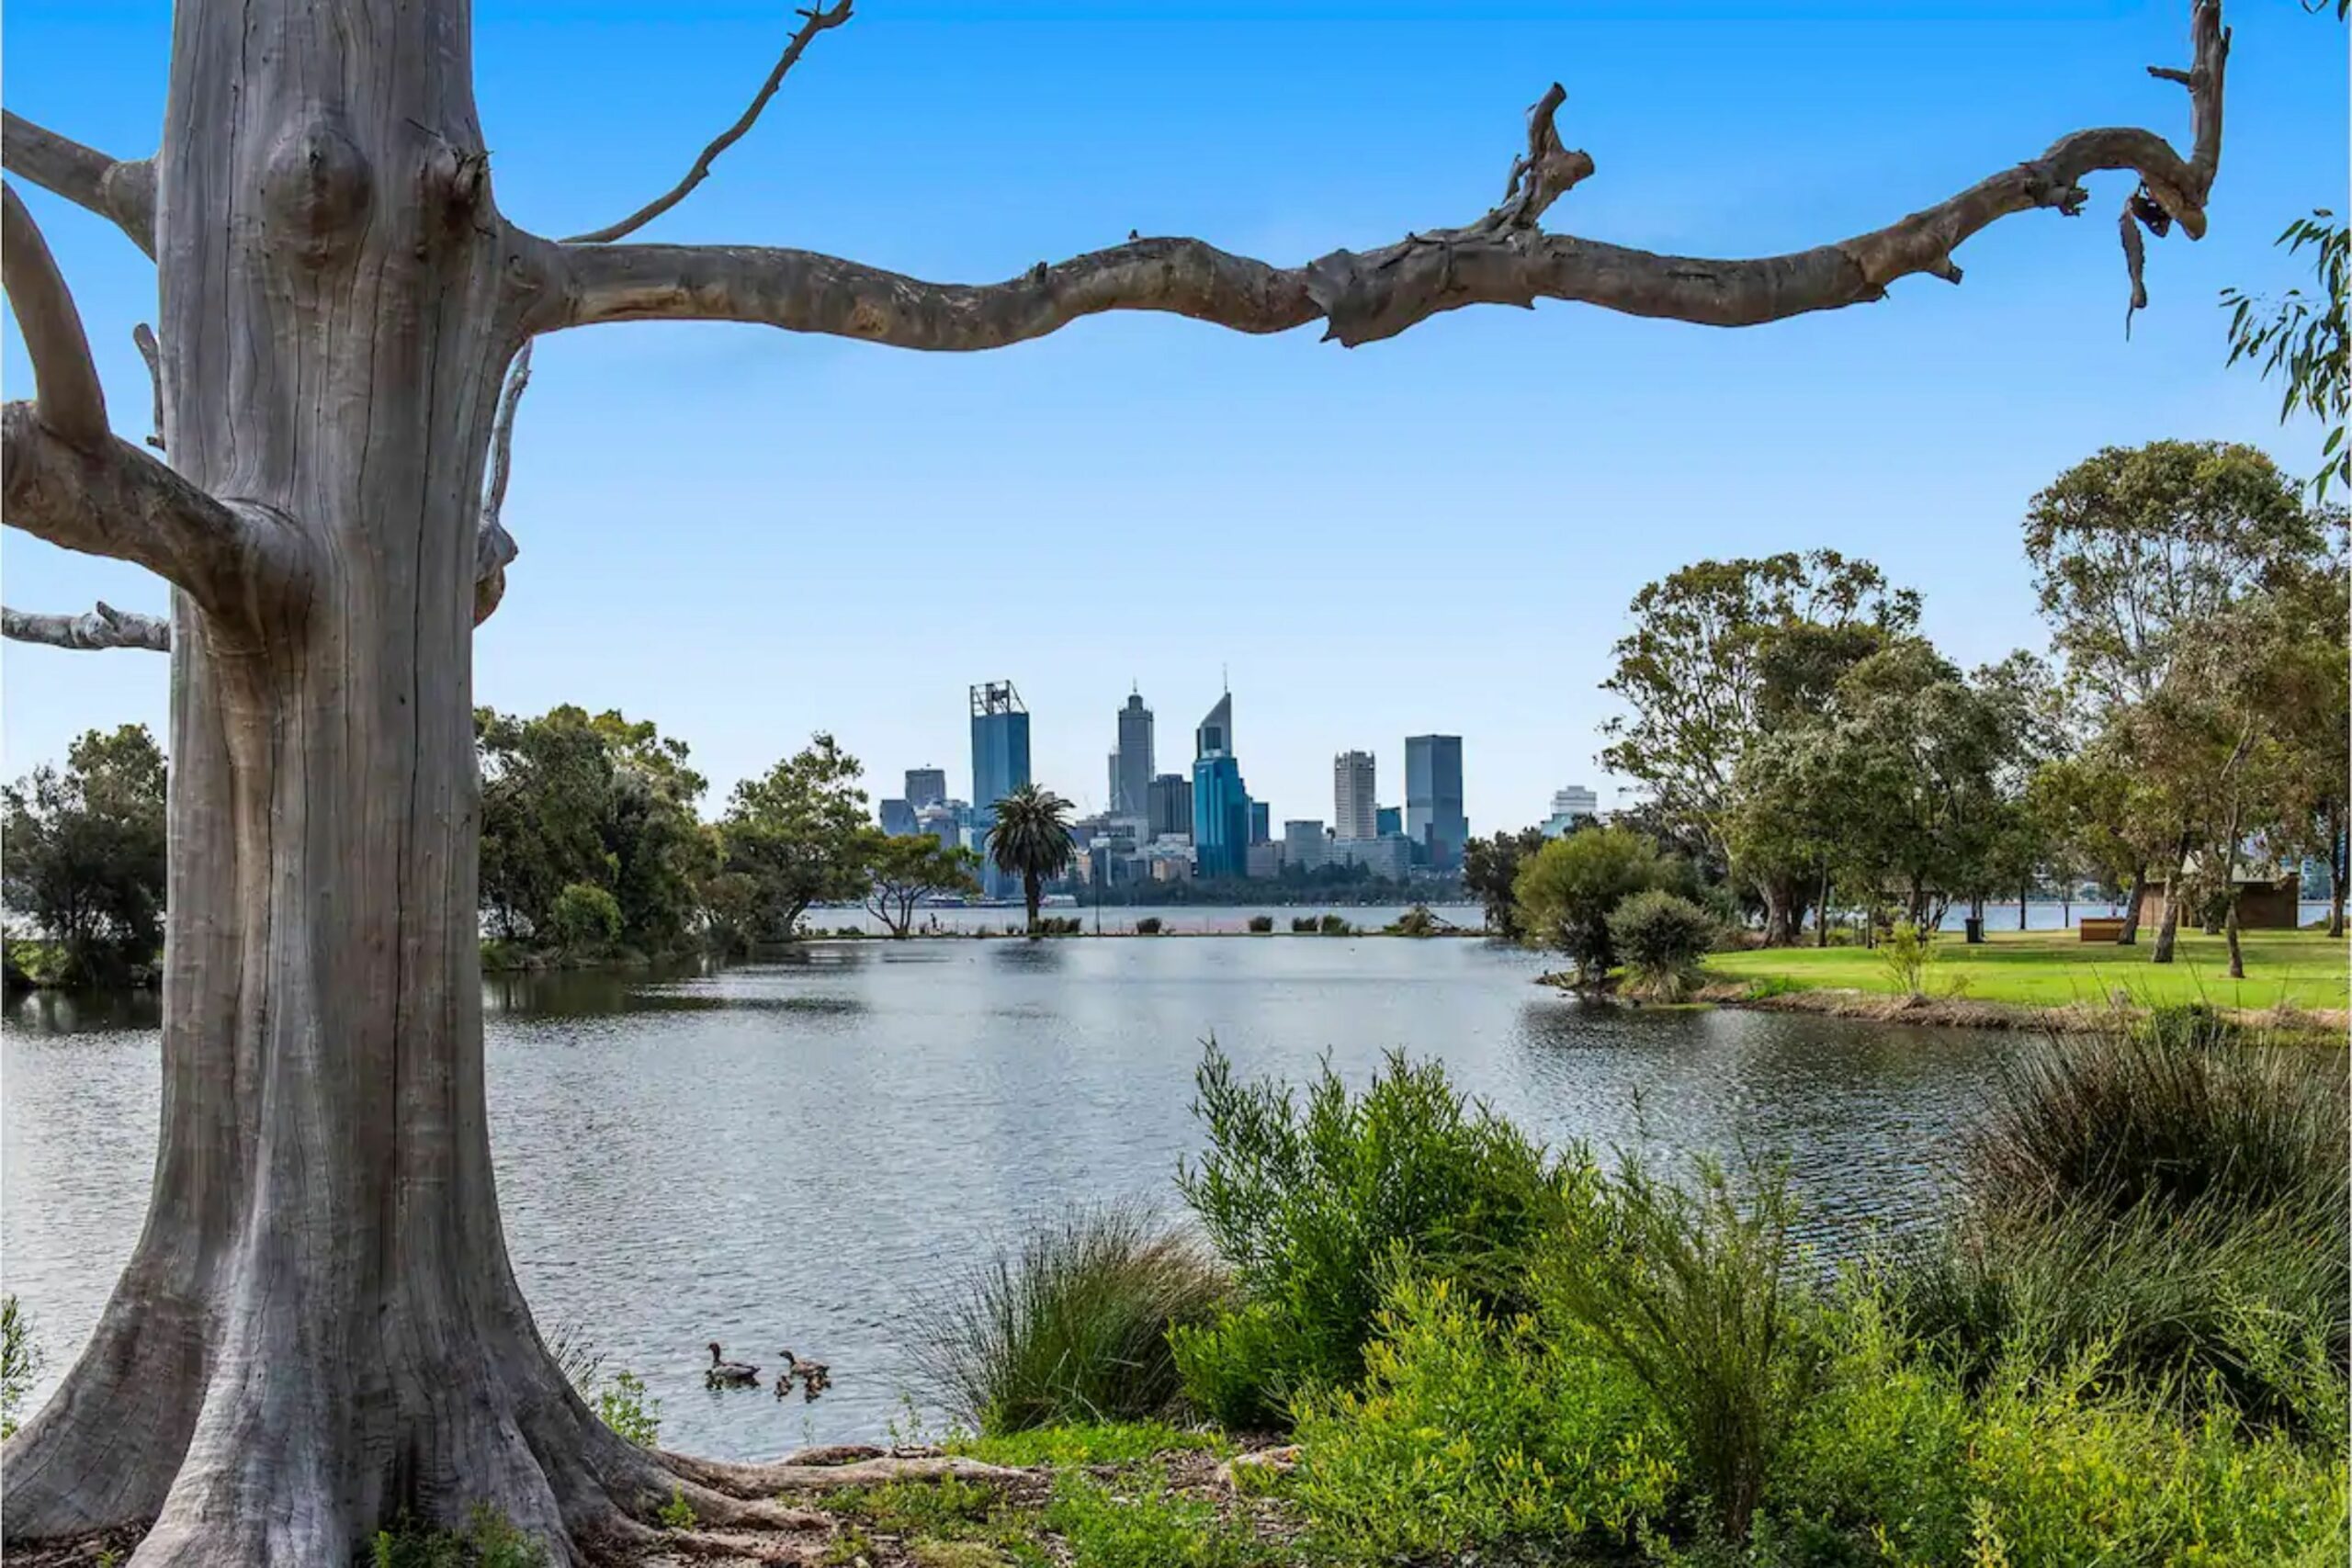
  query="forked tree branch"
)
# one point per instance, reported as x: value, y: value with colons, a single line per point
x: 67, y: 394
x: 816, y: 19
x: 1500, y: 258
x: 111, y: 187
x: 104, y: 627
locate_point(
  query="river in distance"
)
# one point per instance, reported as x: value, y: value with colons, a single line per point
x: 793, y: 1154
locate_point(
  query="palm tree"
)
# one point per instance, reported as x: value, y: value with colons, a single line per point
x: 1031, y: 840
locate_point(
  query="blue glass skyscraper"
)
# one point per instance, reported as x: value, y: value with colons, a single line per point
x: 1000, y: 765
x: 1220, y: 802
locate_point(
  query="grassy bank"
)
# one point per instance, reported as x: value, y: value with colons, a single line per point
x: 2302, y: 969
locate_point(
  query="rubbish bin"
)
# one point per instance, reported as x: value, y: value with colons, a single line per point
x: 1975, y: 932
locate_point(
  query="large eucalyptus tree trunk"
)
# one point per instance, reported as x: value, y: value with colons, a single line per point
x: 319, y: 1327
x: 317, y: 1330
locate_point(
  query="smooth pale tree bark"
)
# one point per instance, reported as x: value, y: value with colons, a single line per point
x: 319, y: 1329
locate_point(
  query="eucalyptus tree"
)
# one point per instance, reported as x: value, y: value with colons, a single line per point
x: 319, y: 1327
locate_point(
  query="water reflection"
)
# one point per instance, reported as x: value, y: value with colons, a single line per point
x: 788, y: 1152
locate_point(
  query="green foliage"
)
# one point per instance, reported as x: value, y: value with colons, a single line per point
x: 1149, y: 926
x: 585, y: 918
x: 1303, y: 925
x: 1058, y: 925
x: 1333, y: 925
x: 793, y: 837
x: 1030, y: 840
x: 626, y: 1406
x: 1491, y: 870
x: 1310, y: 1202
x: 904, y: 869
x: 1467, y: 1431
x: 2174, y: 1112
x: 1907, y: 954
x: 1072, y: 1326
x: 82, y: 856
x: 599, y: 801
x: 2299, y: 339
x: 19, y: 1362
x: 1140, y: 1523
x: 1261, y: 925
x: 487, y: 1539
x: 1417, y: 921
x: 1567, y: 893
x: 1722, y: 651
x: 1661, y: 939
x: 678, y: 1514
x: 1688, y: 1289
x: 1087, y: 1443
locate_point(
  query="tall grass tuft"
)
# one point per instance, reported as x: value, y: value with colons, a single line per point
x: 1693, y: 1291
x: 2170, y: 1194
x: 2174, y: 1110
x: 1070, y: 1325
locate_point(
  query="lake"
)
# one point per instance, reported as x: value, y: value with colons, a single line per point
x: 790, y: 1153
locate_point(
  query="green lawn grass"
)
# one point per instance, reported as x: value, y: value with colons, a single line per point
x: 2051, y: 968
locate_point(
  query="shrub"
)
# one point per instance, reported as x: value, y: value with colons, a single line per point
x: 19, y: 1361
x: 1310, y: 1202
x: 1072, y: 1326
x: 2169, y: 1112
x: 487, y: 1539
x: 621, y: 1402
x: 1688, y: 1288
x: 1147, y: 926
x: 1261, y: 924
x: 1304, y: 925
x: 1907, y: 955
x: 1660, y: 939
x: 1415, y: 922
x: 1147, y: 1526
x: 1332, y: 925
x: 1467, y: 1431
x: 585, y: 918
x: 1567, y: 891
x: 1239, y: 1368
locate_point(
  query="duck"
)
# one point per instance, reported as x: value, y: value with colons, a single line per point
x: 815, y: 1376
x: 723, y: 1373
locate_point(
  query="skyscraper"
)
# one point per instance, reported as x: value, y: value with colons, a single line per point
x: 1391, y: 821
x: 1131, y: 765
x: 1571, y: 807
x: 1433, y: 818
x: 1169, y: 805
x: 1220, y: 801
x: 1000, y: 762
x: 926, y: 786
x: 1262, y: 822
x: 898, y: 817
x: 1354, y: 813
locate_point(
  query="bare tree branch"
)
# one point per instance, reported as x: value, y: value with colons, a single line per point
x: 66, y: 393
x: 104, y: 627
x: 1500, y: 258
x: 111, y: 187
x: 493, y: 546
x: 815, y: 20
x: 144, y: 336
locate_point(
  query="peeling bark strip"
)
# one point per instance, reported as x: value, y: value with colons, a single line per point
x: 104, y: 627
x: 1501, y: 259
x: 319, y: 1329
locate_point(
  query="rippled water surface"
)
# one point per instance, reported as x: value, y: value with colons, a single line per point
x: 786, y: 1155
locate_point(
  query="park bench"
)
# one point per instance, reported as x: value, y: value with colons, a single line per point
x: 2102, y: 927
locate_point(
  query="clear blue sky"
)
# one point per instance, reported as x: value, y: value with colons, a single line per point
x: 746, y: 535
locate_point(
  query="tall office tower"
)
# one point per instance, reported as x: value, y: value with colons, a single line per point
x: 926, y: 786
x: 1220, y: 800
x: 1168, y: 802
x: 1354, y: 813
x: 898, y: 817
x: 1433, y: 818
x: 1131, y: 765
x: 1391, y: 820
x: 1262, y: 822
x: 1304, y: 844
x: 1000, y: 765
x: 1570, y: 807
